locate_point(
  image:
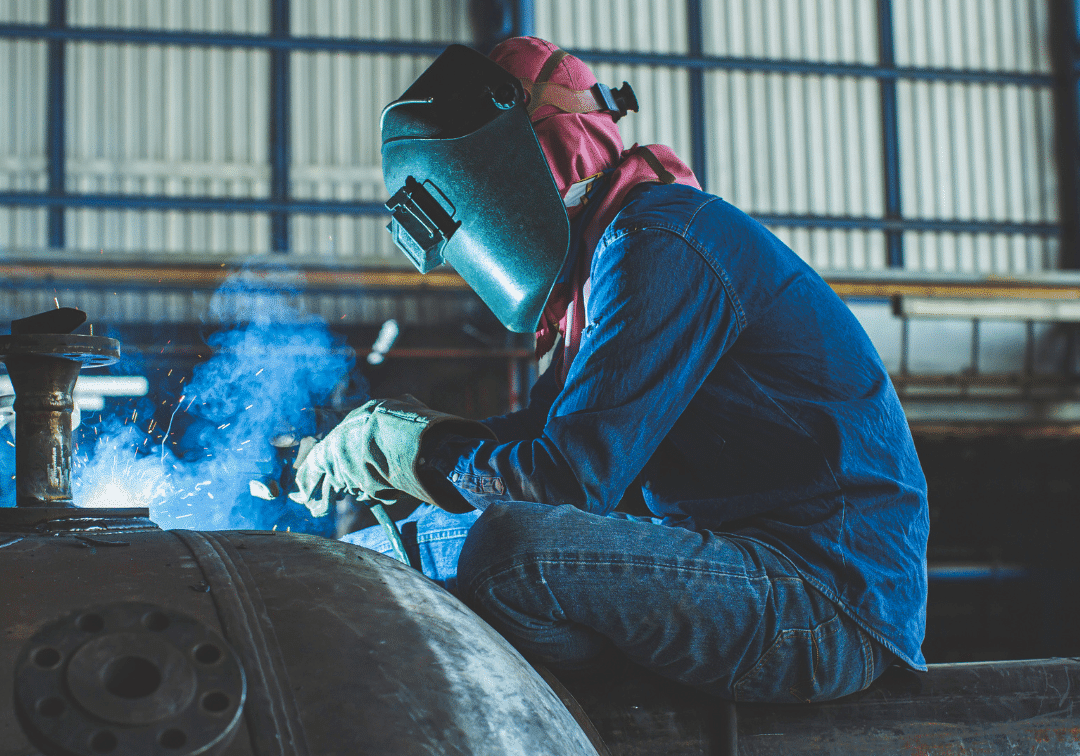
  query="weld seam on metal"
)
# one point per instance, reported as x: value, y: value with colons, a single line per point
x: 276, y: 728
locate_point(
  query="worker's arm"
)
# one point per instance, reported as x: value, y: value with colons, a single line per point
x: 659, y: 319
x: 529, y: 422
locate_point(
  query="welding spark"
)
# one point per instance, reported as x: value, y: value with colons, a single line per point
x: 180, y: 517
x: 249, y: 406
x: 260, y: 370
x: 169, y: 429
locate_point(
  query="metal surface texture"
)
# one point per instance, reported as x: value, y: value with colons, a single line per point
x: 345, y: 651
x: 43, y: 370
x: 129, y: 678
x: 983, y: 708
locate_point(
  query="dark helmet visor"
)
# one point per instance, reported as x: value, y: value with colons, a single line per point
x: 470, y: 186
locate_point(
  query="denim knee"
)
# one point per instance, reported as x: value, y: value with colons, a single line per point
x: 504, y: 532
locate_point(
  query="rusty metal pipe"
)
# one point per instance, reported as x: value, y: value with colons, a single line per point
x: 44, y: 369
x: 43, y: 405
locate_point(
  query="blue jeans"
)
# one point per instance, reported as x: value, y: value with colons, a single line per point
x: 720, y: 612
x: 433, y: 535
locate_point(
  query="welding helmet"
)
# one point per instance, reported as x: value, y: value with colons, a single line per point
x: 470, y: 186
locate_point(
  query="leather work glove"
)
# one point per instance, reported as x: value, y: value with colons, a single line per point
x: 374, y: 453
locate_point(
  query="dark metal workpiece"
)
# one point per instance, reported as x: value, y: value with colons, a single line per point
x: 68, y: 520
x: 129, y: 678
x: 60, y: 320
x: 345, y: 651
x: 43, y: 369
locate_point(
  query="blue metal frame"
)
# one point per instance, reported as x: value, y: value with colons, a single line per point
x: 398, y: 47
x: 698, y: 145
x: 56, y: 133
x: 890, y: 136
x: 1065, y: 50
x: 279, y: 126
x: 280, y: 43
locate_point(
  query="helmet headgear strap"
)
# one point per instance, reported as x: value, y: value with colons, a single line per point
x: 597, y: 98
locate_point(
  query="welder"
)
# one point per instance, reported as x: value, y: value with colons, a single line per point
x: 700, y: 369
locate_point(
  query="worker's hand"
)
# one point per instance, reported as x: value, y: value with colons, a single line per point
x: 374, y: 453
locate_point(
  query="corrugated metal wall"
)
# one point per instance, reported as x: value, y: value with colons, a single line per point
x: 976, y: 151
x: 787, y: 143
x: 336, y: 102
x: 193, y: 121
x: 155, y: 119
x: 177, y: 121
x: 798, y: 144
x: 22, y: 126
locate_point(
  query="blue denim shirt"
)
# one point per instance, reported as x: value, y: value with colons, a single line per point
x: 721, y: 377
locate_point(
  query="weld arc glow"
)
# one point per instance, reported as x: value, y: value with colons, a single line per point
x: 262, y: 382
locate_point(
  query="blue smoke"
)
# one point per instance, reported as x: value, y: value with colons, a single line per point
x: 265, y: 380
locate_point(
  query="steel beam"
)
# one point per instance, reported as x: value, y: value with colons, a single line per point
x: 698, y: 146
x: 431, y: 49
x: 890, y: 137
x: 55, y: 131
x: 279, y: 126
x: 1065, y: 53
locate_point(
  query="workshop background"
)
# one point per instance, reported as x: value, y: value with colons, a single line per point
x: 202, y: 178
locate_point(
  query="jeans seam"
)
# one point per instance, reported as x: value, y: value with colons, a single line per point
x: 653, y: 563
x: 441, y: 535
x: 868, y: 658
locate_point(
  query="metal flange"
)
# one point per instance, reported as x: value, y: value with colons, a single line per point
x: 89, y: 351
x: 129, y: 679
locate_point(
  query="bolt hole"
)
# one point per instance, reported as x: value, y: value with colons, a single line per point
x: 172, y: 738
x: 90, y: 623
x: 215, y: 702
x: 155, y: 621
x: 207, y: 653
x: 132, y: 677
x: 103, y: 742
x: 51, y: 707
x: 47, y: 657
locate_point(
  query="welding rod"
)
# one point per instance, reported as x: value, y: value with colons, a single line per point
x: 392, y: 533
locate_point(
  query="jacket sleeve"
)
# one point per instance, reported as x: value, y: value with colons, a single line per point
x: 529, y: 422
x: 658, y: 319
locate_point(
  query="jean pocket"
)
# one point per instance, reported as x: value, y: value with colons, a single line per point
x: 815, y: 664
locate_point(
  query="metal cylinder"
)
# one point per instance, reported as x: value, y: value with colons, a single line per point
x: 43, y: 370
x: 43, y: 405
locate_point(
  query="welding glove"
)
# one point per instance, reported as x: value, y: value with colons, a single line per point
x: 374, y: 453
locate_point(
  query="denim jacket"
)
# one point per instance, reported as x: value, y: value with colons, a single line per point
x: 722, y: 380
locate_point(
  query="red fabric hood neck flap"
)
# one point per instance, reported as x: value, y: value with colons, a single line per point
x: 578, y: 146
